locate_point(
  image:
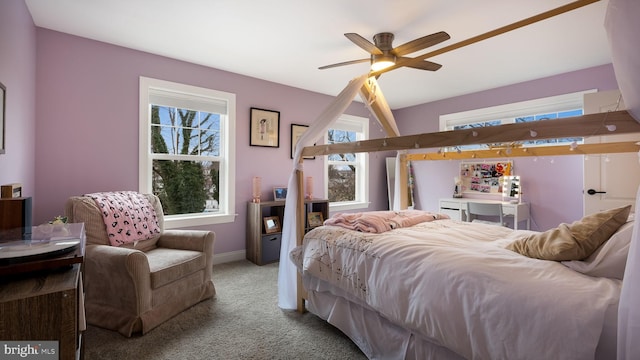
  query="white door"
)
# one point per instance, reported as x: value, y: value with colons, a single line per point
x: 610, y: 180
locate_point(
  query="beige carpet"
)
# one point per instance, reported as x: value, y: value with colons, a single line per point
x: 242, y: 322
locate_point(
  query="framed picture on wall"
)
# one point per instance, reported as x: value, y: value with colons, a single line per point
x: 296, y: 132
x: 3, y: 99
x: 265, y: 128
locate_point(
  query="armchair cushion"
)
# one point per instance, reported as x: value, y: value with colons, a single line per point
x: 168, y: 265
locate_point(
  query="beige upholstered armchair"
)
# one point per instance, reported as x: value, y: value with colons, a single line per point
x: 134, y: 287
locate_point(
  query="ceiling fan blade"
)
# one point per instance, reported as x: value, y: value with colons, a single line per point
x: 423, y: 65
x: 420, y: 43
x: 367, y: 45
x: 344, y: 63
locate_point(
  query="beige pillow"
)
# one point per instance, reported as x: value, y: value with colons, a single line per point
x: 575, y: 241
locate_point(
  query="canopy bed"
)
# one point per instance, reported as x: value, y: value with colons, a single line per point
x: 608, y: 324
x: 446, y: 289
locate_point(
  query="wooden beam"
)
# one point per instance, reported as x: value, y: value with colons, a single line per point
x: 582, y: 149
x: 372, y: 96
x: 499, y: 31
x: 577, y: 126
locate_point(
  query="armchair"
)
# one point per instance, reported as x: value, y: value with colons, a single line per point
x: 134, y: 287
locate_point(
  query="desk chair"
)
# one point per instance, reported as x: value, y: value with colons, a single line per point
x: 475, y: 209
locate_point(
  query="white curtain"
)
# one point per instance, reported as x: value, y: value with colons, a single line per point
x: 287, y: 271
x: 623, y: 28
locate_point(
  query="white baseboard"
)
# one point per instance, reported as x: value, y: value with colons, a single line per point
x: 229, y: 257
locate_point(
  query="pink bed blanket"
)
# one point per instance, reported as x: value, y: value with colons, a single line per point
x: 381, y: 221
x: 128, y: 216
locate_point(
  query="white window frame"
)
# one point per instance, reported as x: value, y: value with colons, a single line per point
x: 361, y: 126
x: 509, y: 112
x: 226, y: 213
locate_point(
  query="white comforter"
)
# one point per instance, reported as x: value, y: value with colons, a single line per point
x: 455, y: 284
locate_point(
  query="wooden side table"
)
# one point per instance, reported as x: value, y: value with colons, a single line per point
x: 41, y: 295
x: 264, y: 247
x: 45, y: 306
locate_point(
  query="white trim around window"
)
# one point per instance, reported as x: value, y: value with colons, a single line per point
x: 360, y: 125
x: 200, y: 99
x: 508, y: 111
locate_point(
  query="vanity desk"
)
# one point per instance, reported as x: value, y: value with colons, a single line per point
x: 456, y: 209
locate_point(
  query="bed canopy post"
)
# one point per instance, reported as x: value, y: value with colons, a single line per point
x: 404, y: 182
x: 300, y: 208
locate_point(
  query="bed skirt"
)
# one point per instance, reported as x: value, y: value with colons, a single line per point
x: 379, y: 338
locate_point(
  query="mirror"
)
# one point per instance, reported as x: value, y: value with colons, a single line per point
x: 511, y: 189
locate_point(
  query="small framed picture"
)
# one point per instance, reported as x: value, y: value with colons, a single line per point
x: 296, y: 132
x: 265, y: 128
x: 3, y: 99
x: 279, y: 193
x: 314, y: 219
x: 271, y: 224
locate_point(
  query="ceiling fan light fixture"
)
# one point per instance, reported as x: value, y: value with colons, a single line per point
x: 379, y: 62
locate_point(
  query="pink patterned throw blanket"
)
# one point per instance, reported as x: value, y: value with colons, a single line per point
x: 128, y: 216
x: 381, y: 221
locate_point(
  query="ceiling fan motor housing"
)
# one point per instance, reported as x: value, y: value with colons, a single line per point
x: 383, y: 41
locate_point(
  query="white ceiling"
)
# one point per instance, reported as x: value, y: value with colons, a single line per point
x: 285, y: 41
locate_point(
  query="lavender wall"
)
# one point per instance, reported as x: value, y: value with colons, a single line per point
x: 18, y: 74
x: 553, y: 185
x: 87, y: 133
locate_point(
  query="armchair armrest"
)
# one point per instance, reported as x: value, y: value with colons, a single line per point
x: 117, y: 276
x: 196, y: 240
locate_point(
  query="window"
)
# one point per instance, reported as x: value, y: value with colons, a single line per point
x: 186, y: 152
x: 347, y: 174
x: 544, y: 109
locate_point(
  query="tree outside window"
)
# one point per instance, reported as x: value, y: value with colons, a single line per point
x: 346, y: 173
x: 185, y: 186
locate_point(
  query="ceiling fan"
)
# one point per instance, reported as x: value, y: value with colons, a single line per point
x: 384, y: 55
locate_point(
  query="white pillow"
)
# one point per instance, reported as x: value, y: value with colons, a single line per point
x: 610, y: 259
